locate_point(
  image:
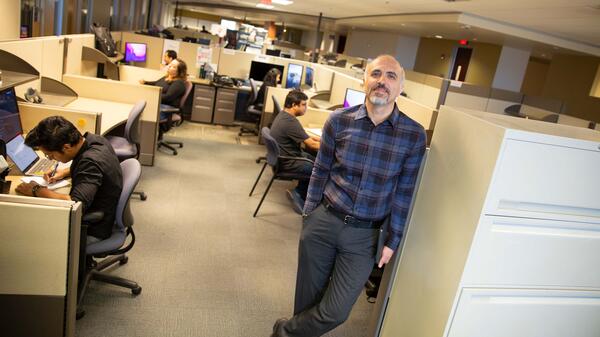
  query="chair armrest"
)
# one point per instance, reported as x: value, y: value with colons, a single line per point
x: 296, y: 159
x: 169, y: 109
x: 93, y: 217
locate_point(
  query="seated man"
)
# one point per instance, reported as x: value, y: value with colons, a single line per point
x: 289, y: 134
x: 95, y: 172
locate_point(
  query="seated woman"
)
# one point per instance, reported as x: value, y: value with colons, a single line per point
x: 173, y: 85
x: 270, y: 80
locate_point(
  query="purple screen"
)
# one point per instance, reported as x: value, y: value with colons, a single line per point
x: 135, y: 52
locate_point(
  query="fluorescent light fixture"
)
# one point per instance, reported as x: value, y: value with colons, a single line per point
x: 260, y: 5
x: 282, y: 2
x: 439, y: 37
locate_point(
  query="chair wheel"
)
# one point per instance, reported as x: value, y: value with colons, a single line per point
x: 174, y: 153
x: 136, y: 291
x: 181, y: 145
x: 143, y: 197
x: 80, y: 313
x: 124, y: 260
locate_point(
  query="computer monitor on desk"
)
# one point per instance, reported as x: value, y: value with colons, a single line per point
x: 258, y: 70
x: 308, y: 79
x: 135, y: 52
x: 294, y: 76
x: 273, y: 52
x: 10, y: 122
x: 353, y: 98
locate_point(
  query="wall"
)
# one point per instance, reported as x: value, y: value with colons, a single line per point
x: 481, y: 68
x: 535, y: 76
x: 11, y: 19
x: 570, y: 79
x: 511, y: 68
x: 596, y: 87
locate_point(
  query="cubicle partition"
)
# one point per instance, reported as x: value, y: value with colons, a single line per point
x: 39, y: 266
x: 314, y: 118
x: 114, y: 99
x: 85, y: 121
x: 465, y: 95
x: 341, y: 82
x: 500, y: 100
x: 73, y: 61
x: 132, y: 74
x: 422, y: 114
x: 424, y: 89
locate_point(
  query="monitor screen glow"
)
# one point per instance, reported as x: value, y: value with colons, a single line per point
x: 353, y: 98
x: 294, y: 76
x: 135, y: 52
x: 10, y: 122
x: 308, y: 80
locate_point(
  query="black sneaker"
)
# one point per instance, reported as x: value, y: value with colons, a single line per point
x: 296, y: 199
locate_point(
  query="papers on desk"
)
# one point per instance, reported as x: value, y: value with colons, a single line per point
x: 41, y: 181
x: 315, y: 131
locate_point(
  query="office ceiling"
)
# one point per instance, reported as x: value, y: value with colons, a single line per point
x: 541, y: 25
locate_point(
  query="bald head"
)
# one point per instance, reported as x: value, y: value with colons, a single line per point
x: 385, y: 59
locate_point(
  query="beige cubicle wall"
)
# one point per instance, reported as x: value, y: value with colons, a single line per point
x: 341, y: 82
x: 420, y: 113
x: 73, y: 62
x: 39, y: 265
x: 179, y: 33
x: 540, y: 107
x: 314, y: 118
x: 85, y: 121
x: 45, y: 54
x: 323, y: 77
x: 154, y: 52
x: 423, y: 88
x: 465, y: 95
x: 501, y: 99
x: 132, y: 74
x: 573, y: 121
x: 122, y: 92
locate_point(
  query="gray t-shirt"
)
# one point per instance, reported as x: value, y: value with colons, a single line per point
x: 289, y: 134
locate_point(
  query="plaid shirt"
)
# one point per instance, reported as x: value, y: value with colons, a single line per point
x: 368, y: 171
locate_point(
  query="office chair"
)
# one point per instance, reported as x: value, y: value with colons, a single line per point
x: 273, y: 157
x: 276, y: 111
x: 174, y: 119
x: 115, y: 244
x: 128, y: 146
x: 340, y: 63
x: 252, y: 110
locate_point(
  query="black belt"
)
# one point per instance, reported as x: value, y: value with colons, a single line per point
x: 350, y: 220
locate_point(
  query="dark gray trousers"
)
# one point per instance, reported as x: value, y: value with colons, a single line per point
x: 334, y: 262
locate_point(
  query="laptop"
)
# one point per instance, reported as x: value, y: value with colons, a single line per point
x: 26, y: 159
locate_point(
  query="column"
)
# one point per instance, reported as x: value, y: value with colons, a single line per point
x: 511, y: 68
x: 10, y: 25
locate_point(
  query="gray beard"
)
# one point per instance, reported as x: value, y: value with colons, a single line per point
x: 377, y: 100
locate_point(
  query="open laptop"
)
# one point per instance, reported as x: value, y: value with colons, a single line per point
x: 26, y: 159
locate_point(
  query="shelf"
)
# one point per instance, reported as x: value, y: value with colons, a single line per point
x: 12, y: 79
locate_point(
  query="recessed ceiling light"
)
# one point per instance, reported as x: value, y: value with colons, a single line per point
x: 264, y: 6
x: 474, y: 39
x: 439, y: 37
x: 543, y: 55
x: 403, y: 24
x: 282, y: 2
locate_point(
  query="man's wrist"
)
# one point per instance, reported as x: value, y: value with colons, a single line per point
x: 35, y: 189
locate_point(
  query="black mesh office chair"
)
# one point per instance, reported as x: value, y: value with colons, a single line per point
x: 273, y: 158
x: 252, y: 110
x: 174, y: 119
x: 128, y: 145
x: 113, y: 248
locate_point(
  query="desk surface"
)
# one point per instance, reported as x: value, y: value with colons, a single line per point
x: 320, y: 103
x: 113, y: 113
x: 56, y: 99
x: 314, y: 131
x: 16, y: 180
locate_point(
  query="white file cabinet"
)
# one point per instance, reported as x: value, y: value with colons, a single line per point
x: 504, y: 239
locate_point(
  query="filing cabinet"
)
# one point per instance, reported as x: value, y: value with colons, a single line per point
x: 204, y: 100
x: 225, y: 104
x: 504, y: 237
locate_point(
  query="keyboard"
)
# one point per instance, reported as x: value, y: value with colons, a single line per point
x: 43, y: 165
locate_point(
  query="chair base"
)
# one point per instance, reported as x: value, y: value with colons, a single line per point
x: 95, y: 273
x: 249, y: 129
x: 169, y: 146
x: 142, y: 195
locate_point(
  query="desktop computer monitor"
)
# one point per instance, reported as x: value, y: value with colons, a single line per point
x: 10, y: 122
x: 135, y: 52
x: 308, y: 80
x: 294, y: 76
x: 353, y: 97
x: 258, y: 70
x: 273, y: 52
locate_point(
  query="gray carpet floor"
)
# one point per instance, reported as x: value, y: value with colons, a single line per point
x: 206, y: 266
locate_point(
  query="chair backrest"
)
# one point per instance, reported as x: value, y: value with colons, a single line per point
x: 188, y: 89
x: 132, y: 128
x: 132, y: 170
x: 253, y: 93
x: 276, y: 107
x: 272, y: 147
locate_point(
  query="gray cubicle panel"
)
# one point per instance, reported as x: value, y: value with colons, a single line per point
x: 501, y: 99
x: 537, y: 107
x: 38, y: 266
x: 465, y: 95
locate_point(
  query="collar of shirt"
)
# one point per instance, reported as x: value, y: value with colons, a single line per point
x: 392, y: 119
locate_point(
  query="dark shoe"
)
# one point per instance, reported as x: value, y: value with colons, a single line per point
x: 277, y: 326
x: 296, y: 199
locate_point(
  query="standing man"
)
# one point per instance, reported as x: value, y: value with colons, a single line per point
x: 95, y: 172
x: 290, y: 135
x: 365, y: 171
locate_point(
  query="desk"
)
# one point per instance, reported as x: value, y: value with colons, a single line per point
x: 56, y: 99
x: 16, y: 180
x: 113, y: 113
x: 314, y: 131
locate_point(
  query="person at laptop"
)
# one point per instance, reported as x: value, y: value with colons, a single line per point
x: 95, y: 172
x: 290, y: 135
